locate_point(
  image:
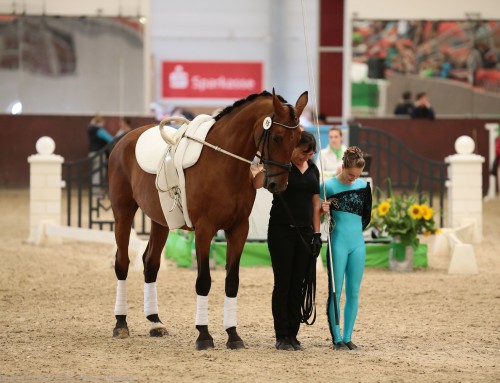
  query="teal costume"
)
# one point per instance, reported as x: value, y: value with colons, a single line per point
x: 350, y: 209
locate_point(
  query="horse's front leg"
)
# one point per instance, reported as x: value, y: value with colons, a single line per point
x: 236, y: 238
x: 123, y: 223
x: 152, y: 260
x: 203, y: 237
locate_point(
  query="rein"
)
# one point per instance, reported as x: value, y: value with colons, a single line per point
x: 217, y: 148
x: 263, y: 141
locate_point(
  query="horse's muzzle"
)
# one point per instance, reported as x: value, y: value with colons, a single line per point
x: 275, y: 188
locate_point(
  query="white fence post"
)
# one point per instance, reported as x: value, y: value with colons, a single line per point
x: 45, y: 186
x: 465, y: 202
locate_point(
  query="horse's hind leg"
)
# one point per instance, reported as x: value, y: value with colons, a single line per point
x: 151, y: 260
x: 235, y: 242
x: 123, y: 224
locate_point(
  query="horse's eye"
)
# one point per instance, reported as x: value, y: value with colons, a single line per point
x: 277, y: 139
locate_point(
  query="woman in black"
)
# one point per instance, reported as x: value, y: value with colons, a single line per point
x: 296, y: 210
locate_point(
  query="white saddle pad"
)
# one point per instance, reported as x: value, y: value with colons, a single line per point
x: 151, y: 148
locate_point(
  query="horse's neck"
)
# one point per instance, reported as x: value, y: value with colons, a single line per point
x: 236, y: 133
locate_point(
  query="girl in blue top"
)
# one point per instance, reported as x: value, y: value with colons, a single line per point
x: 349, y: 201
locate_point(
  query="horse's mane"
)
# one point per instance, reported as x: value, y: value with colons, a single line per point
x: 252, y: 97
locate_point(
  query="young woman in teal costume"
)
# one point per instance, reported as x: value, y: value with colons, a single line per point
x: 349, y: 201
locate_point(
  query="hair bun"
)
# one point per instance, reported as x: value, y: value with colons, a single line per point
x: 353, y: 157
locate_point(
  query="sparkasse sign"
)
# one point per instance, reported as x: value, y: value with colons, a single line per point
x: 199, y: 79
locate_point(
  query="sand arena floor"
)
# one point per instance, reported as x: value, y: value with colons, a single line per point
x: 56, y: 305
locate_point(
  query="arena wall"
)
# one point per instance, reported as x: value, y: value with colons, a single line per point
x: 435, y: 139
x: 18, y: 135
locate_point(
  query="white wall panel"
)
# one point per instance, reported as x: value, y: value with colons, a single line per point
x: 222, y: 30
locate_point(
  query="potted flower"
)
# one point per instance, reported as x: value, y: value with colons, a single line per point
x: 403, y: 218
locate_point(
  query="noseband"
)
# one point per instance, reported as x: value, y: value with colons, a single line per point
x: 264, y: 144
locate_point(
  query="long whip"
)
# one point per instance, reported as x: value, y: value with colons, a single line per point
x: 316, y: 123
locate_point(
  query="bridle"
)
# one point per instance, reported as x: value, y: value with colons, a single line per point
x: 263, y: 145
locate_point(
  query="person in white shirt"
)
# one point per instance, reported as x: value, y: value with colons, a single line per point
x: 330, y: 158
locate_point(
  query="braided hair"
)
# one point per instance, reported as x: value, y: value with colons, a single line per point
x: 353, y: 158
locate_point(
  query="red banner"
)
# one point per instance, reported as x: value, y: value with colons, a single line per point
x: 190, y: 79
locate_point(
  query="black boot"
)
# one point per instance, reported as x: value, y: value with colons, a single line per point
x: 284, y: 344
x: 351, y: 346
x: 296, y: 344
x: 339, y: 346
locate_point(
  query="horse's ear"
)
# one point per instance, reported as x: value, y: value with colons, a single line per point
x: 301, y: 103
x: 279, y: 108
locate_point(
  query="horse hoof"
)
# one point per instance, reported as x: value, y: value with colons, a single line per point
x: 120, y: 332
x: 158, y: 332
x: 204, y: 344
x: 236, y: 345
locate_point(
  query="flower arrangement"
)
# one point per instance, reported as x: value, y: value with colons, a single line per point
x: 403, y: 217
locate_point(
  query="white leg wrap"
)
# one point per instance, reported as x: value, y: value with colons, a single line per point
x: 121, y: 298
x: 230, y: 312
x: 201, y: 311
x: 150, y: 299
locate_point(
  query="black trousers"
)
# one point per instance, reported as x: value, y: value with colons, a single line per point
x: 289, y: 257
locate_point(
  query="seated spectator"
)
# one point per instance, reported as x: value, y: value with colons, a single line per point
x: 405, y: 107
x: 423, y: 107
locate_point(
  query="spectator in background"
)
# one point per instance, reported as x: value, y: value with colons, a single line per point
x: 446, y: 65
x: 495, y: 168
x: 423, y: 107
x: 322, y: 119
x: 474, y: 62
x: 125, y: 127
x: 186, y: 113
x: 330, y: 158
x: 405, y: 106
x: 99, y: 137
x: 306, y: 118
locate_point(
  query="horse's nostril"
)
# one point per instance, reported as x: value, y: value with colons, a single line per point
x: 272, y: 187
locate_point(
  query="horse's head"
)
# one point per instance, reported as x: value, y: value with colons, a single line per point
x: 280, y: 135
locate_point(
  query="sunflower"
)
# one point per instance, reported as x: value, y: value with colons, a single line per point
x: 404, y: 216
x: 415, y: 211
x: 383, y: 208
x: 427, y: 212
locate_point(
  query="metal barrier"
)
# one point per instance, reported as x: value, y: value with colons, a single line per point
x: 391, y: 158
x: 87, y: 199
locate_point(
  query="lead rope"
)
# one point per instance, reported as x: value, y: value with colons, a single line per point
x: 308, y: 290
x: 316, y: 122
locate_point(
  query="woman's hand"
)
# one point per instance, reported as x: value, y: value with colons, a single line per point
x: 325, y: 207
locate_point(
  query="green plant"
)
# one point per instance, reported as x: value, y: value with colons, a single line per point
x: 403, y: 216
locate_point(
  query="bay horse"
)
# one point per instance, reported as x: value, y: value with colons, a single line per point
x: 220, y: 196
